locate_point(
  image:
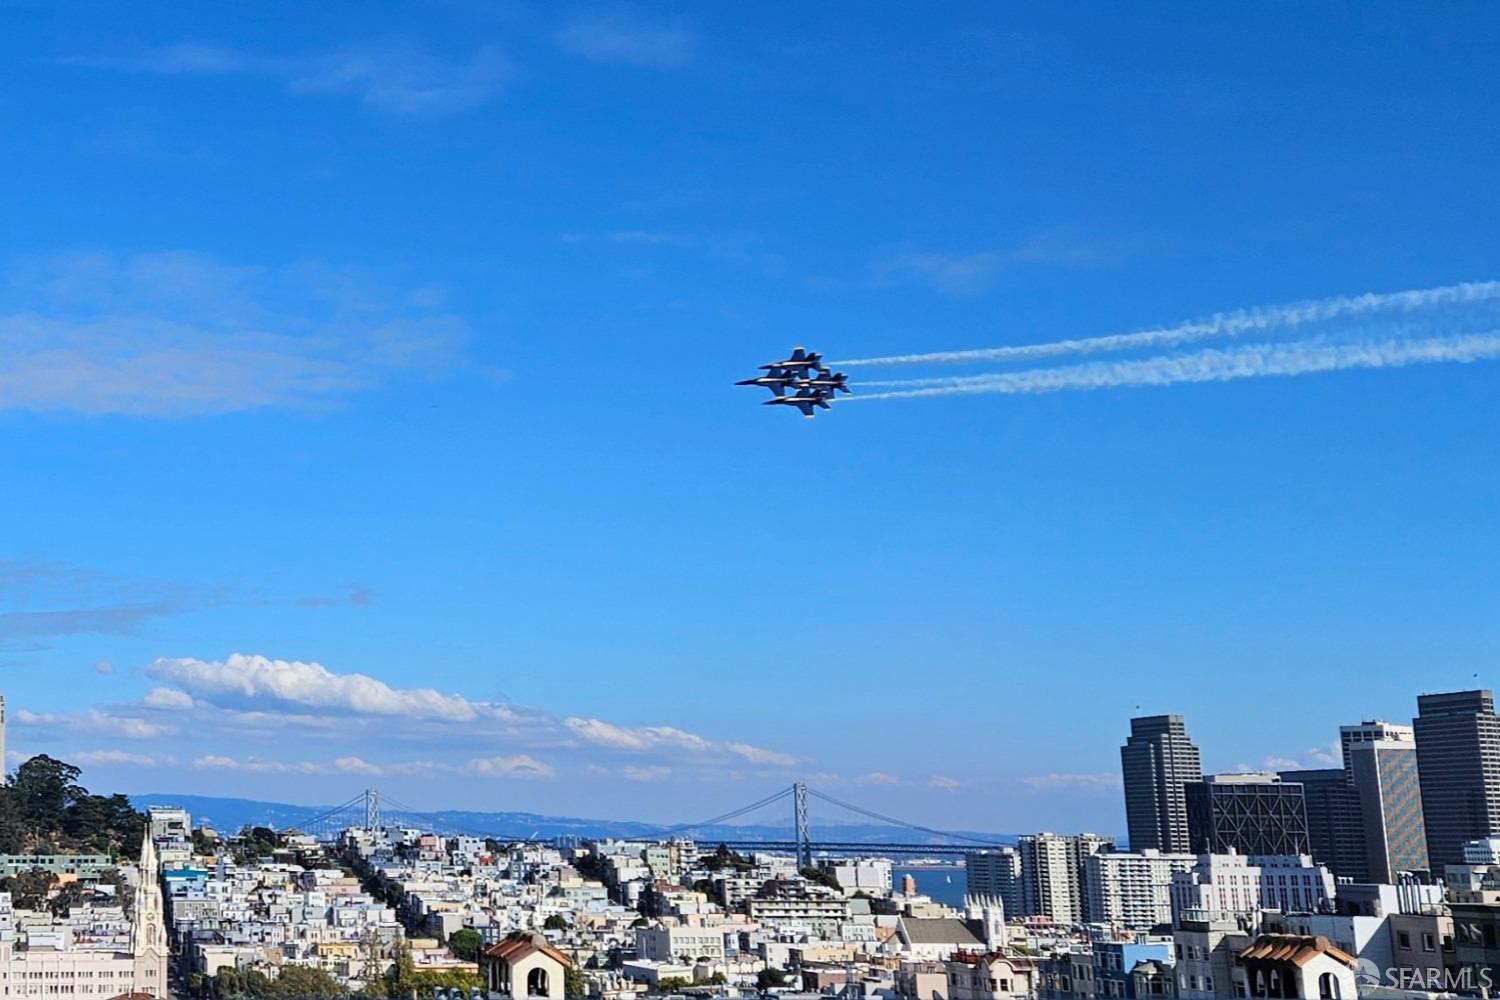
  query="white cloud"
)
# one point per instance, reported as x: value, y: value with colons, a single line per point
x: 633, y: 772
x: 392, y: 76
x: 623, y: 38
x: 760, y: 755
x: 92, y: 721
x: 104, y: 667
x: 257, y: 765
x: 1091, y: 782
x: 248, y: 680
x: 944, y: 783
x: 517, y: 766
x: 877, y: 778
x: 1274, y: 763
x: 175, y: 334
x: 258, y: 698
x: 1331, y: 755
x: 647, y: 738
x: 169, y: 699
x: 119, y: 758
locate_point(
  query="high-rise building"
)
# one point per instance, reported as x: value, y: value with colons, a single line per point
x: 1157, y: 761
x: 1052, y: 874
x: 1390, y: 797
x: 1365, y: 732
x: 1458, y: 757
x: 1132, y: 890
x: 1335, y: 835
x: 1253, y: 813
x: 995, y: 874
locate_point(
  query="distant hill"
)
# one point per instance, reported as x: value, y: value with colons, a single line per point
x: 227, y: 814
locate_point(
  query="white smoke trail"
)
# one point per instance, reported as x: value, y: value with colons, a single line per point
x: 1230, y: 324
x: 1258, y: 361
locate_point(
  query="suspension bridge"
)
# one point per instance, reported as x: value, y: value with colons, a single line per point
x: 372, y: 809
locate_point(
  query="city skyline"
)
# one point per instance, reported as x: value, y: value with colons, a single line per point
x: 366, y: 378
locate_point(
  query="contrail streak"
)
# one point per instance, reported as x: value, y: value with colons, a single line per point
x: 1230, y: 324
x: 1258, y: 361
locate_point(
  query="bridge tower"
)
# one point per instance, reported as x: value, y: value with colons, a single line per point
x: 372, y: 809
x: 804, y: 835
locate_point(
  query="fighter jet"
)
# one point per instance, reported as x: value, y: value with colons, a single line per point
x: 825, y: 380
x: 804, y: 400
x: 777, y: 380
x: 800, y: 362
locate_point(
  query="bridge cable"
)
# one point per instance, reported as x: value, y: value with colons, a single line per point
x: 898, y: 822
x: 734, y: 814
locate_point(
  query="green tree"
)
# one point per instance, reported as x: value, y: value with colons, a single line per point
x: 466, y: 944
x: 404, y: 979
x: 44, y: 788
x: 768, y: 979
x: 671, y: 984
x: 555, y: 922
x: 29, y: 889
x: 575, y: 984
x: 297, y: 982
x: 821, y: 877
x: 68, y: 895
x: 232, y: 984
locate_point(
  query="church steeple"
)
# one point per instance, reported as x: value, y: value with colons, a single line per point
x: 148, y: 930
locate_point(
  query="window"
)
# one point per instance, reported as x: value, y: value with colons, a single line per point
x: 1403, y: 939
x: 1428, y: 943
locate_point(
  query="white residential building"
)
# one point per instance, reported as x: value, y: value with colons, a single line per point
x: 1132, y: 890
x: 676, y: 943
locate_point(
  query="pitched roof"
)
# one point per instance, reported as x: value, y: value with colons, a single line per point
x: 516, y: 946
x: 939, y: 930
x: 1299, y: 949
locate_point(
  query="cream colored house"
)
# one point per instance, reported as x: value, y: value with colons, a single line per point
x: 523, y: 966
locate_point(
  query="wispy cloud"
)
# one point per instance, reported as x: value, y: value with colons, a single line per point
x: 646, y: 738
x: 50, y: 600
x: 516, y: 766
x: 394, y: 76
x: 623, y: 37
x: 119, y: 758
x: 123, y: 619
x: 519, y: 766
x: 1331, y: 755
x: 355, y: 597
x: 176, y: 334
x: 972, y: 272
x: 1055, y: 781
x: 92, y: 721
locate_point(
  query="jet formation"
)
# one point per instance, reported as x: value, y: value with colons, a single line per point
x: 801, y: 380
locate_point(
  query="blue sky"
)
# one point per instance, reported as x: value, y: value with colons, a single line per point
x: 366, y: 396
